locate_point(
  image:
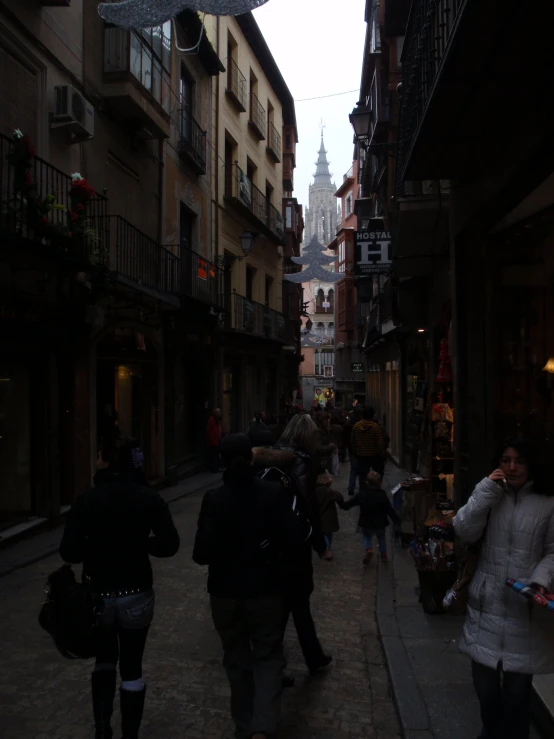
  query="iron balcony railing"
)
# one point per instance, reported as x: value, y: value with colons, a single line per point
x: 35, y: 204
x: 247, y: 194
x: 428, y: 34
x: 248, y: 317
x: 137, y: 257
x: 192, y: 141
x: 201, y: 279
x: 236, y: 84
x: 257, y: 117
x: 274, y: 143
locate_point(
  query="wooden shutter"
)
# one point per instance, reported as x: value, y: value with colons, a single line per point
x: 19, y: 96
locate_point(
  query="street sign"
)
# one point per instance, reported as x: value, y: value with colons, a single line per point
x: 357, y: 367
x: 373, y: 252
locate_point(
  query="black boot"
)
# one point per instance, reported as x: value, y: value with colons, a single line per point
x: 103, y: 693
x: 132, y: 706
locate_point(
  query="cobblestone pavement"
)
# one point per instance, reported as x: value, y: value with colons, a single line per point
x: 42, y: 695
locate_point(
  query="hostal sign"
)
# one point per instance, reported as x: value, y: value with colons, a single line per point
x: 373, y: 248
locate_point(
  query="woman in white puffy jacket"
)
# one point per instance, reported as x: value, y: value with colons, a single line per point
x: 508, y: 638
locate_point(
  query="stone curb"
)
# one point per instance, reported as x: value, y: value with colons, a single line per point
x: 414, y: 718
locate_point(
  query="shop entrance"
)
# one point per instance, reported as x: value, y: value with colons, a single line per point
x: 16, y: 498
x: 127, y: 394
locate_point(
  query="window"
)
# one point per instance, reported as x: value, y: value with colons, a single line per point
x: 230, y: 158
x: 319, y: 301
x: 250, y: 276
x: 331, y: 301
x: 342, y: 256
x: 322, y: 360
x: 348, y: 205
x: 151, y: 61
x: 399, y: 47
x: 268, y: 290
x: 186, y: 222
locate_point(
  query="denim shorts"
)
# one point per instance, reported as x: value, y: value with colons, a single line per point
x: 129, y: 611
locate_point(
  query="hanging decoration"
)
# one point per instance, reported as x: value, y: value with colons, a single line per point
x: 315, y: 262
x: 445, y: 366
x: 148, y: 13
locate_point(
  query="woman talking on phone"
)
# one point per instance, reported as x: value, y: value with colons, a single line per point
x: 509, y: 639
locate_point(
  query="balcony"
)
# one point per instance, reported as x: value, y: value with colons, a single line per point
x: 236, y: 85
x: 288, y: 172
x: 274, y: 144
x: 252, y: 203
x: 136, y: 259
x: 192, y: 142
x: 421, y: 225
x: 347, y: 183
x: 379, y: 102
x: 35, y: 206
x: 137, y: 83
x: 257, y: 120
x: 201, y: 279
x: 247, y: 317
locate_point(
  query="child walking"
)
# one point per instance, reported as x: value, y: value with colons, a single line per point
x: 375, y: 511
x: 328, y: 499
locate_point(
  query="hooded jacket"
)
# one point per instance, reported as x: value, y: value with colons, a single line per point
x: 501, y: 627
x: 113, y: 528
x: 367, y: 440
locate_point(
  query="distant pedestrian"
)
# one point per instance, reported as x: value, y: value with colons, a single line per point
x: 328, y: 499
x: 214, y: 434
x: 351, y: 421
x: 368, y: 446
x: 510, y: 515
x: 112, y: 530
x: 243, y: 529
x: 256, y: 424
x: 375, y: 512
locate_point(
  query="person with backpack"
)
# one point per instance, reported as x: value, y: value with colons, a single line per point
x: 368, y: 446
x: 297, y: 454
x: 244, y: 528
x: 113, y: 530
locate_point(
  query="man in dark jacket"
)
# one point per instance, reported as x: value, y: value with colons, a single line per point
x: 112, y: 530
x: 368, y: 446
x: 244, y: 527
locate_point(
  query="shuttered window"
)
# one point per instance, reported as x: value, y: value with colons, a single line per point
x: 19, y: 95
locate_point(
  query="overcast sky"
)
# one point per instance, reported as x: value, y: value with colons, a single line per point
x: 318, y: 45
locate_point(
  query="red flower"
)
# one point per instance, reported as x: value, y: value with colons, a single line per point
x: 28, y: 179
x: 74, y: 216
x: 44, y: 221
x: 70, y: 234
x: 80, y: 206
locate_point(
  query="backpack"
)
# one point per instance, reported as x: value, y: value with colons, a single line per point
x: 288, y: 488
x: 71, y: 614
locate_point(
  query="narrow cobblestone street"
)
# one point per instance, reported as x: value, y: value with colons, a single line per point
x: 42, y: 695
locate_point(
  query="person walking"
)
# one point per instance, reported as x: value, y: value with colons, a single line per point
x: 368, y: 446
x: 214, y: 434
x: 244, y: 583
x: 112, y: 530
x: 328, y: 500
x: 256, y: 425
x: 353, y: 418
x: 375, y: 511
x: 509, y: 639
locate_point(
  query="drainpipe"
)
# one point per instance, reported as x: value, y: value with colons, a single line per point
x: 218, y: 400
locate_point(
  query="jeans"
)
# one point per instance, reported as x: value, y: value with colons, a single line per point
x: 328, y: 540
x: 353, y: 475
x: 251, y: 634
x: 299, y: 607
x: 505, y: 699
x: 125, y: 624
x: 365, y: 465
x: 380, y: 534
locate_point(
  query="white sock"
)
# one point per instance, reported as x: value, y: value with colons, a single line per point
x: 133, y: 686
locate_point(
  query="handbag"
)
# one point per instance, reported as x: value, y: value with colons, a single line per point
x: 468, y: 567
x: 71, y: 614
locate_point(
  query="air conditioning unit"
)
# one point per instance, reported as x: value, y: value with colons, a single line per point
x: 73, y: 111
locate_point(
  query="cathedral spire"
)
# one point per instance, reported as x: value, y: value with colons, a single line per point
x: 322, y: 176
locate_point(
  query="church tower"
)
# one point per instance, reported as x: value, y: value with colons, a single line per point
x: 321, y: 214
